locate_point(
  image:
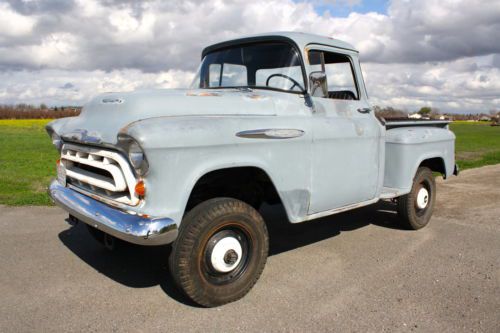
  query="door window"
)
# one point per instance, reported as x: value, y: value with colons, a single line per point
x: 339, y: 74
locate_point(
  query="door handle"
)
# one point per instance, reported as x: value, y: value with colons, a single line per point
x: 364, y: 110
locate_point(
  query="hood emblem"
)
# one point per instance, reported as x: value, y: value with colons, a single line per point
x: 112, y: 101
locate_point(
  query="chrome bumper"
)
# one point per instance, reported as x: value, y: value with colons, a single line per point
x: 128, y: 227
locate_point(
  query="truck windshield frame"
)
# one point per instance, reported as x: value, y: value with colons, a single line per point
x: 272, y: 65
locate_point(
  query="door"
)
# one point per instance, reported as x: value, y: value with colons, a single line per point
x: 346, y: 137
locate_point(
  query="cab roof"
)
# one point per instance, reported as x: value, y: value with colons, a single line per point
x: 298, y: 38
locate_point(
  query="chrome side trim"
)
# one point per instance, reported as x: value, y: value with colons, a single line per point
x: 132, y: 228
x: 271, y: 133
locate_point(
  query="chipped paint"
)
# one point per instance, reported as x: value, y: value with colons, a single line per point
x: 360, y: 130
x: 255, y: 97
x: 297, y: 203
x: 203, y: 94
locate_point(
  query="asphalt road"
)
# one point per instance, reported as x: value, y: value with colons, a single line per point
x: 357, y: 271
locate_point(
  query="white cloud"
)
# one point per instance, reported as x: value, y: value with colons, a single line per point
x: 458, y: 86
x: 64, y: 87
x: 13, y: 24
x: 442, y: 53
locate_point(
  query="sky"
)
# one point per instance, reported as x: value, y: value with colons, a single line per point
x: 444, y: 54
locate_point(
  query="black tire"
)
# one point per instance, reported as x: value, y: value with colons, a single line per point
x: 202, y: 234
x: 413, y: 213
x: 109, y: 242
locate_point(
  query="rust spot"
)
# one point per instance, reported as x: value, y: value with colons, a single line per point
x: 255, y: 97
x: 202, y: 94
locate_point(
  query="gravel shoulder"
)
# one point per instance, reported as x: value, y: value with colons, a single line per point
x: 356, y: 271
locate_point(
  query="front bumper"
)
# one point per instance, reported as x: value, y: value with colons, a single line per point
x: 128, y: 227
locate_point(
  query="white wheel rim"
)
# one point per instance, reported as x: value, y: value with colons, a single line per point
x: 422, y: 198
x: 219, y: 252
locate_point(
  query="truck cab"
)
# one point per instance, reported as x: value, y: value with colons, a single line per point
x: 278, y: 118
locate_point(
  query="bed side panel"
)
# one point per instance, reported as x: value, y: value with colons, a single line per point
x: 407, y: 147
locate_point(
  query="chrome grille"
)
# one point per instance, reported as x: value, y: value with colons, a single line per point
x: 101, y: 172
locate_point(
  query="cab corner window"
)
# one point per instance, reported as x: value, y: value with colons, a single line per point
x: 339, y: 74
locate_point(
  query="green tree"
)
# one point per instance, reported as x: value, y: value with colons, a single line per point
x: 425, y: 111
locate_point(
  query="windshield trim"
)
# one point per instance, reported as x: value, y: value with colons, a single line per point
x: 259, y: 40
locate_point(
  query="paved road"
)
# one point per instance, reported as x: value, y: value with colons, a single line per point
x: 357, y: 271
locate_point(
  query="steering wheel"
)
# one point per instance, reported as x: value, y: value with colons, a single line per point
x: 295, y: 83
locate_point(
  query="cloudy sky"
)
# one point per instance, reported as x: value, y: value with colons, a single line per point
x: 444, y: 54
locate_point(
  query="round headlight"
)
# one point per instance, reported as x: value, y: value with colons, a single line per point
x: 56, y: 141
x: 135, y: 155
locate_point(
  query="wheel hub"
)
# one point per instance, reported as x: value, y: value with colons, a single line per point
x: 230, y: 257
x: 422, y: 198
x: 226, y: 254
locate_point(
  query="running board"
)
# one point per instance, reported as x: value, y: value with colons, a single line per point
x: 340, y: 209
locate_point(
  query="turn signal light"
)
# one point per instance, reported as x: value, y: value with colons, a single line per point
x: 140, y: 189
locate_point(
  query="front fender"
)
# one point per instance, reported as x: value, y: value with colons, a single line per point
x: 180, y: 150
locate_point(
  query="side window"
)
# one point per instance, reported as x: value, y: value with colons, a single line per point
x: 339, y: 74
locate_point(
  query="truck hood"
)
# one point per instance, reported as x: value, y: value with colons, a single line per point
x: 103, y: 117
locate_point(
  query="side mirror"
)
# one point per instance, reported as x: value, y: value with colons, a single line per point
x: 318, y: 84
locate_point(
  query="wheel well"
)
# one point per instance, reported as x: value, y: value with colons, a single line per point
x: 249, y: 184
x: 436, y: 164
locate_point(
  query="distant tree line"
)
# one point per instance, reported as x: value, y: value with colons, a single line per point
x: 389, y: 112
x: 42, y: 111
x: 434, y: 113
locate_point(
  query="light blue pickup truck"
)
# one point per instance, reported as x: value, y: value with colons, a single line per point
x: 276, y: 118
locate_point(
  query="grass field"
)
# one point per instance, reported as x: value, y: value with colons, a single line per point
x: 27, y: 158
x: 27, y: 162
x: 477, y: 144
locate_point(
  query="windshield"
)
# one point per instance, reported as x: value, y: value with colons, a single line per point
x: 273, y: 65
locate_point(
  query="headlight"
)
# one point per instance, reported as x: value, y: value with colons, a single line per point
x: 135, y: 153
x: 56, y: 141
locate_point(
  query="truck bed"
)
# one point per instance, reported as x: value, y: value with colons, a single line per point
x: 408, y: 144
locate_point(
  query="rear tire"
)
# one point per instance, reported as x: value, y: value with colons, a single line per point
x: 220, y: 251
x: 415, y: 208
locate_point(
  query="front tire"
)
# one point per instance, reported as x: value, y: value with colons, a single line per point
x: 220, y: 251
x: 415, y: 208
